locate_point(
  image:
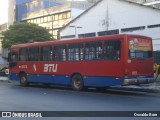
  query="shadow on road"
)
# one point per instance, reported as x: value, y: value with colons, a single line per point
x: 109, y: 91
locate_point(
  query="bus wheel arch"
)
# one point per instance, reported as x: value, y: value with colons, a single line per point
x: 23, y: 79
x: 77, y: 81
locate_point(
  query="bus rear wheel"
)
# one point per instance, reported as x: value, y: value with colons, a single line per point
x: 23, y: 80
x: 77, y: 82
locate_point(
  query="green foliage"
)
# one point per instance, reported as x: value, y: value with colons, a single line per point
x: 20, y: 33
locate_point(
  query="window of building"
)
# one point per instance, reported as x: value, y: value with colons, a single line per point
x: 153, y: 26
x: 132, y: 29
x: 42, y: 19
x: 60, y: 16
x: 49, y: 18
x: 64, y: 15
x: 32, y: 21
x: 55, y: 32
x: 112, y: 49
x: 75, y: 52
x: 60, y: 53
x: 110, y: 32
x: 33, y: 54
x: 56, y: 17
x: 50, y: 25
x: 53, y: 18
x: 93, y: 51
x: 35, y: 21
x: 156, y: 57
x: 45, y: 19
x: 38, y: 20
x: 87, y: 35
x: 68, y: 14
x: 55, y: 37
x: 23, y: 54
x: 29, y: 21
x: 68, y: 37
x: 46, y: 53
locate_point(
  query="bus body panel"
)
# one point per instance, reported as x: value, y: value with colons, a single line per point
x: 96, y: 73
x: 139, y: 61
x: 139, y: 67
x: 97, y: 68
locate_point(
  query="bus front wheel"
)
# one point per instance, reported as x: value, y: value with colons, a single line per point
x: 77, y: 82
x: 23, y: 80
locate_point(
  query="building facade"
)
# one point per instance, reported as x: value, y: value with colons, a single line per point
x: 109, y: 17
x: 3, y: 27
x: 52, y: 14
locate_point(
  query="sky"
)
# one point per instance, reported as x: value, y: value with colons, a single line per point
x: 3, y: 11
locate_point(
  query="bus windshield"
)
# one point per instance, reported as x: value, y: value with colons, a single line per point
x: 140, y: 48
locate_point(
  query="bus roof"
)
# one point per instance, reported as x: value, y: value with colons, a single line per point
x: 57, y: 42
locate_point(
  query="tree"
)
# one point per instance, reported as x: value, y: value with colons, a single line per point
x: 20, y: 33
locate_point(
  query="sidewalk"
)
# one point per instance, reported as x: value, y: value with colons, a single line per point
x: 152, y: 88
x: 139, y: 88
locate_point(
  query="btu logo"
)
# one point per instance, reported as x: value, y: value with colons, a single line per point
x: 50, y: 67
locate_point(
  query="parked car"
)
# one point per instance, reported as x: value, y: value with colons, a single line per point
x: 4, y: 71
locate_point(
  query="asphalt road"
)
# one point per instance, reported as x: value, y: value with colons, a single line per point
x: 43, y: 98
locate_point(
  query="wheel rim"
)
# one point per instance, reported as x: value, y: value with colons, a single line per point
x: 77, y: 83
x: 23, y: 79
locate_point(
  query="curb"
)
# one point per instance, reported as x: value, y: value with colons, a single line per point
x: 150, y: 89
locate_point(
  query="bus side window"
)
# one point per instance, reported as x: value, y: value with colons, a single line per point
x: 46, y: 53
x: 112, y: 49
x: 13, y: 57
x: 60, y: 53
x: 93, y: 51
x: 23, y: 54
x: 33, y: 54
x: 75, y: 52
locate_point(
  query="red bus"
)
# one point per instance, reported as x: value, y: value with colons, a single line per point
x: 89, y: 62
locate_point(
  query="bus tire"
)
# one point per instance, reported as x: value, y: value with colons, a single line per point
x: 77, y: 82
x: 23, y: 80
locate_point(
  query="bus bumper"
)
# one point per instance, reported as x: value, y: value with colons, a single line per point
x: 137, y: 81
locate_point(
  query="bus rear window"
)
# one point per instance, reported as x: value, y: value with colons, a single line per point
x: 140, y: 48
